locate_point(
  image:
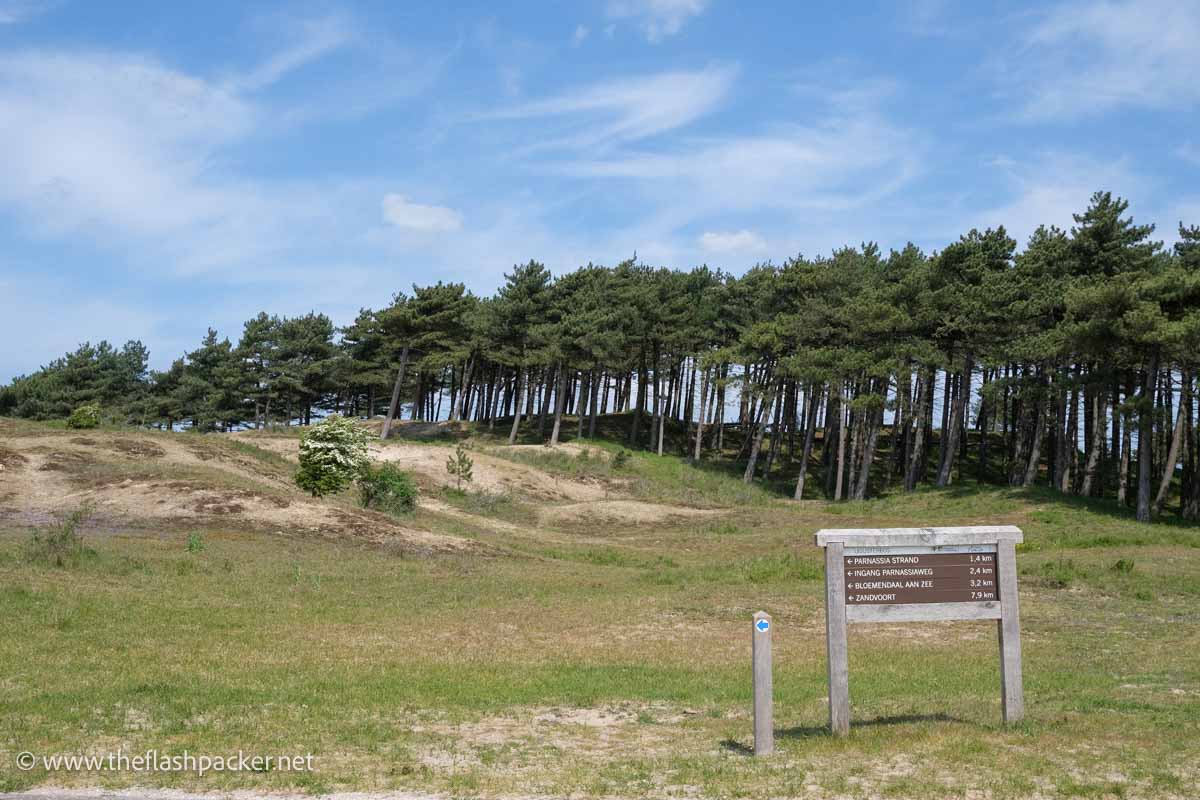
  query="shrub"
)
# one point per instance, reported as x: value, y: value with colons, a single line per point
x: 459, y: 465
x: 194, y: 543
x: 387, y: 488
x: 620, y: 459
x: 86, y: 416
x: 61, y: 545
x: 332, y: 454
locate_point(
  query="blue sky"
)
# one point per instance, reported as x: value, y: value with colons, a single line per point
x: 165, y: 168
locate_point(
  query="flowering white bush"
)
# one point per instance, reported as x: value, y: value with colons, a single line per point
x: 332, y: 453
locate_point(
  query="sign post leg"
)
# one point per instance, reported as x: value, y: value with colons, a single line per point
x: 835, y: 632
x: 1012, y: 693
x: 764, y: 711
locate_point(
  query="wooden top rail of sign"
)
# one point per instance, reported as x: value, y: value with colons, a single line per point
x: 921, y: 574
x: 882, y: 537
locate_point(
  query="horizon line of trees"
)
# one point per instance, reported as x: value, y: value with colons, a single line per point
x: 1073, y: 362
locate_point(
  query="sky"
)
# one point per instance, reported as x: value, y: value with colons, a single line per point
x: 167, y: 167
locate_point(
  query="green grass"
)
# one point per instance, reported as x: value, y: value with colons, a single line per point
x: 587, y: 660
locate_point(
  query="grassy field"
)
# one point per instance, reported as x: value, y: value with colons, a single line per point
x: 603, y: 659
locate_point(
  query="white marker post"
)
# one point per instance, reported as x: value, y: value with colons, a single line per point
x: 764, y: 712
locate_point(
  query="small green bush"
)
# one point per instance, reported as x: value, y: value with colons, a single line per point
x: 61, y: 545
x: 332, y: 454
x: 387, y: 488
x: 620, y: 459
x: 86, y: 416
x: 195, y: 544
x: 459, y: 465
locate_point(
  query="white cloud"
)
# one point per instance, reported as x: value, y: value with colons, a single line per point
x: 409, y: 216
x: 581, y: 33
x: 736, y: 242
x: 113, y: 142
x: 16, y: 11
x: 139, y: 158
x: 657, y: 19
x: 1090, y: 57
x: 630, y: 108
x: 796, y: 180
x: 1049, y: 187
x: 842, y: 163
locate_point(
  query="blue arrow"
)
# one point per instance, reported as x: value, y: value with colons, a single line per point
x: 762, y: 625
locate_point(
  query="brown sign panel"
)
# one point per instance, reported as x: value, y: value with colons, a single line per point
x: 894, y: 578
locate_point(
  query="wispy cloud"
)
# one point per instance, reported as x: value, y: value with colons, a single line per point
x: 141, y: 158
x: 398, y: 210
x: 580, y: 34
x: 13, y: 12
x: 112, y: 140
x: 852, y: 156
x: 1047, y: 188
x: 1086, y: 58
x: 839, y: 164
x: 628, y: 109
x: 657, y: 19
x: 743, y: 241
x: 305, y: 41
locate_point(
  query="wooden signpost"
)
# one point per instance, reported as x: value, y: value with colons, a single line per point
x: 921, y: 574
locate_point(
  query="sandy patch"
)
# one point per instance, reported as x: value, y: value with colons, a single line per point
x: 633, y: 511
x: 54, y: 476
x: 490, y: 474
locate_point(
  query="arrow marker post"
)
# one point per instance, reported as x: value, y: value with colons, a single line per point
x: 764, y: 713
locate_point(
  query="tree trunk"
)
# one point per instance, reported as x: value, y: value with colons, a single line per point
x: 602, y: 378
x: 1126, y: 451
x: 984, y: 422
x: 544, y: 407
x: 641, y: 399
x: 559, y: 396
x: 1189, y: 499
x: 700, y: 415
x: 1070, y: 441
x: 457, y: 405
x: 394, y: 407
x: 810, y: 431
x: 957, y: 418
x: 874, y: 423
x: 760, y: 427
x: 773, y: 450
x: 1035, y: 447
x: 1146, y: 437
x: 1097, y: 445
x: 517, y: 408
x: 920, y: 416
x: 1164, y: 485
x: 841, y: 452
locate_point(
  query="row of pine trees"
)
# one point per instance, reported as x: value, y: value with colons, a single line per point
x: 1071, y: 363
